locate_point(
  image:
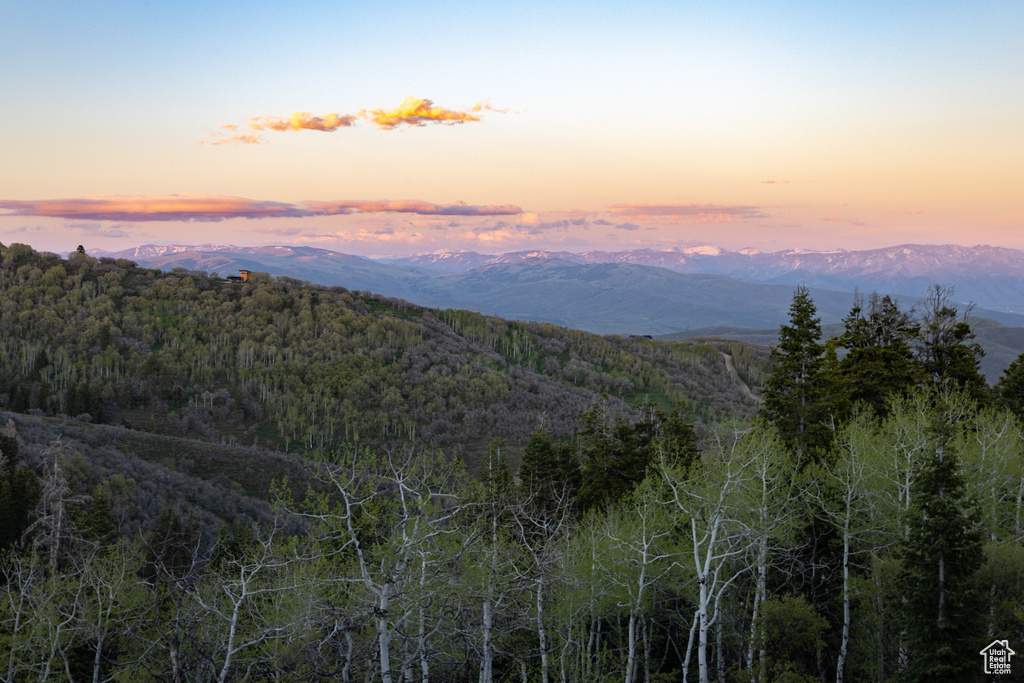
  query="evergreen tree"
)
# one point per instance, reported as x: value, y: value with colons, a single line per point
x: 675, y: 440
x: 947, y: 353
x: 549, y: 472
x: 19, y: 493
x: 880, y: 361
x: 613, y: 459
x: 1009, y: 390
x: 617, y: 455
x: 941, y: 556
x: 171, y: 547
x: 96, y: 523
x: 794, y: 399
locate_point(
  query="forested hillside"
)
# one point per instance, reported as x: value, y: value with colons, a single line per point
x: 289, y: 365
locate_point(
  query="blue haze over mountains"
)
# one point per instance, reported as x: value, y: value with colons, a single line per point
x: 677, y: 292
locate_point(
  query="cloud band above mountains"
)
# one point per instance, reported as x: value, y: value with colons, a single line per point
x: 413, y: 111
x: 216, y: 208
x: 688, y: 213
x: 410, y: 206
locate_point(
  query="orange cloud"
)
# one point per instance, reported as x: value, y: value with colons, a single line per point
x: 413, y: 111
x: 688, y: 213
x: 416, y: 111
x: 411, y: 206
x: 216, y: 208
x: 244, y: 138
x: 302, y: 120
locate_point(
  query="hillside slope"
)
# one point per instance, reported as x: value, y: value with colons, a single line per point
x: 287, y: 365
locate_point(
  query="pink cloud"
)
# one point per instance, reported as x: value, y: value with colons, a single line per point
x: 839, y: 219
x: 215, y: 208
x: 302, y: 120
x: 410, y: 206
x: 687, y: 213
x: 140, y: 208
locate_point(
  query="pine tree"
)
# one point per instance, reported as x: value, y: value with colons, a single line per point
x: 19, y: 493
x: 1009, y: 391
x: 675, y: 439
x: 794, y: 399
x: 549, y: 473
x: 948, y: 354
x: 617, y: 455
x: 943, y: 612
x: 880, y: 360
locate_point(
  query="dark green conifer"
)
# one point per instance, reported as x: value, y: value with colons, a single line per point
x: 1009, y: 390
x: 675, y: 440
x: 171, y: 547
x: 97, y: 521
x: 549, y: 473
x: 948, y: 354
x: 880, y: 360
x: 19, y: 493
x: 943, y: 614
x: 617, y: 455
x: 795, y: 401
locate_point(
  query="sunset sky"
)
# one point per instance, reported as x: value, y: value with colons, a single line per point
x: 400, y: 127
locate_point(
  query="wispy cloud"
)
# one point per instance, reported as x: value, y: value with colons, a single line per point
x: 137, y: 208
x: 410, y: 206
x: 216, y: 208
x: 413, y: 111
x: 302, y: 120
x: 688, y: 213
x: 100, y: 230
x: 839, y: 219
x: 242, y: 138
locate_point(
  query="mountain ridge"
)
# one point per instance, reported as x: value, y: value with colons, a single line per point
x: 985, y: 274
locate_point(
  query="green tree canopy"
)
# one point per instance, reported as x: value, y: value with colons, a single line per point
x: 1009, y: 390
x: 880, y: 359
x: 948, y: 354
x: 795, y: 398
x: 941, y: 557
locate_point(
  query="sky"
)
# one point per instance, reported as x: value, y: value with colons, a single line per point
x: 392, y: 128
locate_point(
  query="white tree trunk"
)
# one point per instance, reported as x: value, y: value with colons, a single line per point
x: 541, y: 632
x: 845, y: 641
x: 487, y: 656
x: 384, y: 634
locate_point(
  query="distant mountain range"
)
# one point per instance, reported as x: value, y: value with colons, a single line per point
x: 992, y: 277
x: 640, y: 291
